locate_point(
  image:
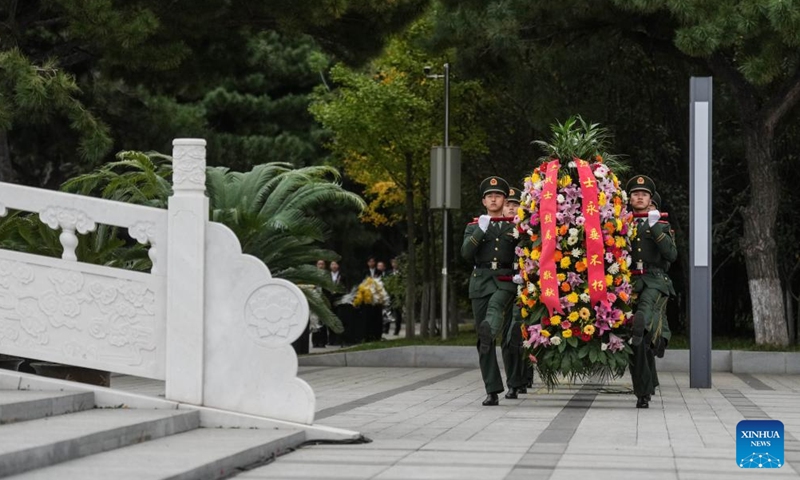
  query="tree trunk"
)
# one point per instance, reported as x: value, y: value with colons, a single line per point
x: 7, y: 173
x: 424, y: 308
x: 758, y: 243
x: 411, y: 275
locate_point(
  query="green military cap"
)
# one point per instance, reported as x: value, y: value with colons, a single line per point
x: 494, y: 184
x: 641, y: 182
x: 656, y: 200
x: 514, y: 195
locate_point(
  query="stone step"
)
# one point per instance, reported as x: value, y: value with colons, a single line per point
x: 21, y: 405
x: 205, y: 453
x: 39, y: 443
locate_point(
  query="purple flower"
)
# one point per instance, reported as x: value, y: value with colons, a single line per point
x: 580, y: 220
x: 615, y: 343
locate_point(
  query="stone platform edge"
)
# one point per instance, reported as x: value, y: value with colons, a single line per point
x: 430, y: 356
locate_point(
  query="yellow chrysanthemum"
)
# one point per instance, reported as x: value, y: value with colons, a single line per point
x: 535, y: 178
x: 619, y: 241
x: 588, y: 329
x: 617, y: 211
x: 584, y: 313
x: 545, y: 333
x: 566, y: 333
x: 601, y: 199
x: 535, y: 254
x: 573, y: 316
x: 564, y: 181
x: 572, y: 297
x: 520, y: 212
x: 561, y: 277
x: 555, y: 320
x: 609, y: 280
x: 565, y: 262
x: 523, y: 312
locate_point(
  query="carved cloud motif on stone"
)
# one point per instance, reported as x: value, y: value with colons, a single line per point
x: 67, y: 219
x: 189, y: 167
x: 110, y: 319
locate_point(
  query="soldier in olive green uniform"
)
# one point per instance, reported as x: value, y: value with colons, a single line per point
x: 511, y: 344
x: 653, y: 251
x: 490, y: 247
x: 661, y: 344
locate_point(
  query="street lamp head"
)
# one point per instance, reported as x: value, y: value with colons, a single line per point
x: 427, y: 69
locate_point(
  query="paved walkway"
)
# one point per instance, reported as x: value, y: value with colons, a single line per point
x: 427, y: 423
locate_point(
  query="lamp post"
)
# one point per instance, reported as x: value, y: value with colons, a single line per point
x: 444, y: 181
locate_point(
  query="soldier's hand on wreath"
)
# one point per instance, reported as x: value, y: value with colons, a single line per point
x: 653, y: 216
x: 483, y: 222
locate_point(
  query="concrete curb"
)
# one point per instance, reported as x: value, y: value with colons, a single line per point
x: 733, y: 361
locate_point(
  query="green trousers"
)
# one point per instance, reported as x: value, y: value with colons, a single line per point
x: 493, y: 309
x: 653, y: 304
x: 513, y: 353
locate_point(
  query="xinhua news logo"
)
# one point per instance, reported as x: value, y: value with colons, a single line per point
x: 759, y: 444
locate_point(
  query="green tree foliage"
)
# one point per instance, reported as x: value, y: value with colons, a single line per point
x: 626, y: 65
x: 153, y: 68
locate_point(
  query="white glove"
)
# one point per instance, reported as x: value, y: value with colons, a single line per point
x: 483, y: 222
x: 653, y: 216
x: 518, y: 279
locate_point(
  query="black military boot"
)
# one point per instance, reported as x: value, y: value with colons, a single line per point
x: 661, y: 347
x: 512, y: 392
x: 491, y: 400
x: 522, y: 389
x: 642, y: 402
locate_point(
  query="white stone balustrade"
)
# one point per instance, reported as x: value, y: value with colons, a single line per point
x: 207, y: 319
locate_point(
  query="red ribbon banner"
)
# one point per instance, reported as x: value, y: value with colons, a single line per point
x: 548, y: 282
x: 594, y: 234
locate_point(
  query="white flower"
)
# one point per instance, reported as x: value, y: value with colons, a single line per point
x: 628, y: 314
x: 624, y: 196
x: 604, y: 346
x: 601, y: 171
x: 585, y: 297
x: 613, y: 269
x: 555, y: 340
x: 531, y: 287
x: 572, y: 240
x: 573, y: 232
x: 515, y: 234
x: 576, y: 252
x: 560, y: 198
x: 526, y: 343
x: 571, y: 164
x: 517, y: 279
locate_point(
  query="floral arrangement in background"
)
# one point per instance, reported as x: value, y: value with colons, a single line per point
x: 371, y: 292
x: 574, y: 287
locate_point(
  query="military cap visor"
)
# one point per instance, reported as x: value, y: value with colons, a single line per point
x: 494, y: 185
x: 656, y: 200
x: 514, y: 195
x: 641, y: 183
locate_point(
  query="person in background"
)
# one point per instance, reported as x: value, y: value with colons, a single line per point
x: 319, y: 332
x: 372, y: 269
x: 381, y: 268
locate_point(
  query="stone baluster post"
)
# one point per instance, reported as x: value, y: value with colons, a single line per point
x: 188, y: 216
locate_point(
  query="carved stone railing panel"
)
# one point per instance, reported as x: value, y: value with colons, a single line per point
x: 68, y: 220
x: 80, y: 213
x: 84, y: 315
x: 146, y: 233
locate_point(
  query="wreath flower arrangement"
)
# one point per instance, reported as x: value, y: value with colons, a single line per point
x: 371, y: 292
x: 575, y: 289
